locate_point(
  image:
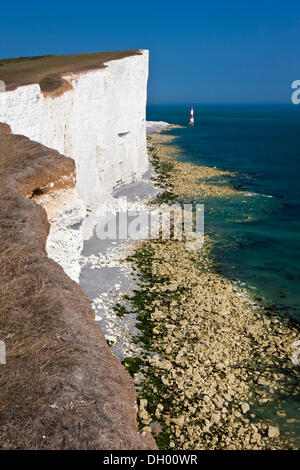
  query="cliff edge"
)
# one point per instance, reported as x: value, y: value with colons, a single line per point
x: 61, y: 387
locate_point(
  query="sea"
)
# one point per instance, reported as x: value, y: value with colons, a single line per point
x: 256, y: 237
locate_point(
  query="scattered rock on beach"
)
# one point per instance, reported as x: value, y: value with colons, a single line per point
x: 245, y: 407
x: 273, y: 431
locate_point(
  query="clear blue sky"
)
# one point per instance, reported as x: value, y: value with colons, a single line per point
x: 200, y: 51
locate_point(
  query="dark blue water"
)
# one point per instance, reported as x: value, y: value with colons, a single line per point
x: 257, y: 237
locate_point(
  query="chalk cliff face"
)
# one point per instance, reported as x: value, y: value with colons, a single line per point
x: 99, y: 121
x: 65, y: 212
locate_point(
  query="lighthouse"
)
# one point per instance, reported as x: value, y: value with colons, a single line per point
x: 191, y: 123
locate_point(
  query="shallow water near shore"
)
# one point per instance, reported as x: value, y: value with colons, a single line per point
x: 257, y: 237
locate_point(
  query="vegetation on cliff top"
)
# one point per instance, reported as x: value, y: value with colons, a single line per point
x: 47, y: 70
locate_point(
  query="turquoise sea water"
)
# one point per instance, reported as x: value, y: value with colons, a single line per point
x: 258, y: 236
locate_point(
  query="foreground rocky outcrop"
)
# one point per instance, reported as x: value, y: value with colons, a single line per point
x: 61, y: 387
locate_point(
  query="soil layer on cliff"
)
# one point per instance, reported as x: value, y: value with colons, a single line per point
x: 47, y: 70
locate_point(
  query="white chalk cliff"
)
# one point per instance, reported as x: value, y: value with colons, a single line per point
x: 100, y: 122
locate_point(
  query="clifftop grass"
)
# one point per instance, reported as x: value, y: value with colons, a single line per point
x: 47, y: 70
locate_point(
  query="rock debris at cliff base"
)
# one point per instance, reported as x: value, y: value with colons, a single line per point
x: 212, y: 361
x: 106, y: 276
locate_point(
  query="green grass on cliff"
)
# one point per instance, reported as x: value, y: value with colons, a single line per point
x: 47, y: 69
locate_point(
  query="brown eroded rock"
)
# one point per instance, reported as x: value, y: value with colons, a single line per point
x: 4, y: 129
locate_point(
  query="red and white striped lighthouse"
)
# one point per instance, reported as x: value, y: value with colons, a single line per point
x: 191, y: 123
